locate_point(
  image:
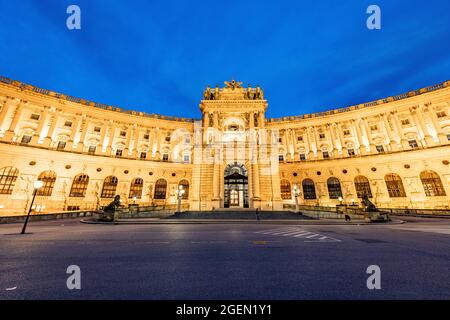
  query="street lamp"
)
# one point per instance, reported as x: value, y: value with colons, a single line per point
x: 340, y: 200
x: 296, y: 192
x: 179, y: 193
x: 134, y: 199
x: 37, y: 185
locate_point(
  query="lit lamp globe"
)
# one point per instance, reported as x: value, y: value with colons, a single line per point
x: 38, y: 184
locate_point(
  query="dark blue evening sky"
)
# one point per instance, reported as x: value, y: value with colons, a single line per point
x: 158, y: 56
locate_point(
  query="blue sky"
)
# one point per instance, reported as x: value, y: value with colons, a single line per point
x: 158, y: 56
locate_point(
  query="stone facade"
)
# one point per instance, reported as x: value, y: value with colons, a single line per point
x: 396, y: 150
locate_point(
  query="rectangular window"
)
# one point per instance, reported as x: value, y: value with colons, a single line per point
x: 143, y: 155
x: 380, y: 149
x: 187, y: 141
x: 92, y: 149
x: 351, y: 152
x: 118, y: 153
x: 168, y: 139
x: 448, y: 137
x: 322, y: 136
x: 97, y: 129
x: 441, y: 114
x: 405, y: 122
x: 280, y: 157
x: 61, y: 145
x: 280, y: 140
x: 68, y: 124
x: 302, y: 156
x: 35, y: 116
x: 413, y: 144
x: 186, y: 158
x: 325, y: 154
x: 165, y: 157
x: 26, y: 139
x: 346, y: 132
x: 300, y: 138
x: 146, y: 136
x: 374, y: 128
x: 123, y: 133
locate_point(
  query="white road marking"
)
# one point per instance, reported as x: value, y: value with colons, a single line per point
x: 10, y: 289
x: 298, y: 233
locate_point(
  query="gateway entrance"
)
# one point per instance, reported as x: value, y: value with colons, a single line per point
x: 236, y: 186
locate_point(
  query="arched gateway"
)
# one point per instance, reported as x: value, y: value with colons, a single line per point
x: 235, y: 186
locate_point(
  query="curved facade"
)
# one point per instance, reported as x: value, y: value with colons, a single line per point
x: 395, y: 150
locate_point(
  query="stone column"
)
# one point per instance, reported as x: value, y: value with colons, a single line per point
x: 387, y: 129
x: 11, y: 132
x: 158, y: 144
x: 112, y: 135
x: 308, y: 143
x: 368, y: 135
x: 75, y: 127
x: 334, y: 150
x: 358, y: 136
x: 102, y: 138
x: 4, y: 112
x: 51, y: 131
x: 316, y: 141
x: 128, y: 141
x: 434, y: 119
x: 403, y: 141
x: 341, y: 138
x: 295, y: 138
x: 427, y: 136
x: 261, y: 119
x: 84, y: 131
x: 136, y: 142
x: 40, y: 128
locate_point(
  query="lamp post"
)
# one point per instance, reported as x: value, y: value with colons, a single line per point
x: 340, y: 200
x: 37, y: 185
x: 296, y: 192
x: 180, y: 192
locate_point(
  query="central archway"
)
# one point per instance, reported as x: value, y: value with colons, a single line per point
x: 236, y: 186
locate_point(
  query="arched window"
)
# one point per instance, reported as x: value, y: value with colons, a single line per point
x: 79, y: 186
x: 185, y: 185
x: 48, y: 178
x: 432, y: 184
x: 309, y: 190
x: 160, y: 189
x: 8, y: 177
x: 334, y: 188
x: 362, y: 186
x: 136, y: 188
x: 285, y: 187
x: 109, y: 187
x: 394, y: 185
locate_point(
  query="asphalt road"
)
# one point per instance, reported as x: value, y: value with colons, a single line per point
x: 223, y: 261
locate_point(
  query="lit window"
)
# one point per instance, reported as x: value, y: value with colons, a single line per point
x: 79, y: 186
x: 61, y: 145
x: 285, y: 187
x: 48, y: 178
x: 362, y: 187
x: 309, y: 190
x: 109, y: 187
x: 351, y: 152
x: 35, y: 116
x: 26, y: 139
x: 380, y: 149
x: 92, y: 149
x: 334, y: 188
x: 432, y: 184
x: 413, y: 144
x: 160, y: 189
x: 118, y: 152
x: 136, y: 188
x: 8, y: 177
x: 394, y: 185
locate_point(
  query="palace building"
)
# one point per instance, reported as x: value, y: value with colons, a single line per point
x: 395, y: 150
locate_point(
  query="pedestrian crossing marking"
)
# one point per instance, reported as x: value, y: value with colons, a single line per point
x: 298, y: 233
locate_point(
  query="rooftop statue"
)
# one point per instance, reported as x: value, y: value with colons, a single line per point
x: 233, y: 84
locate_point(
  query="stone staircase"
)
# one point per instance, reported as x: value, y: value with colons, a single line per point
x: 239, y: 214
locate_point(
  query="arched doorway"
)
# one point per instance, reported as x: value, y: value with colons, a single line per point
x: 235, y: 186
